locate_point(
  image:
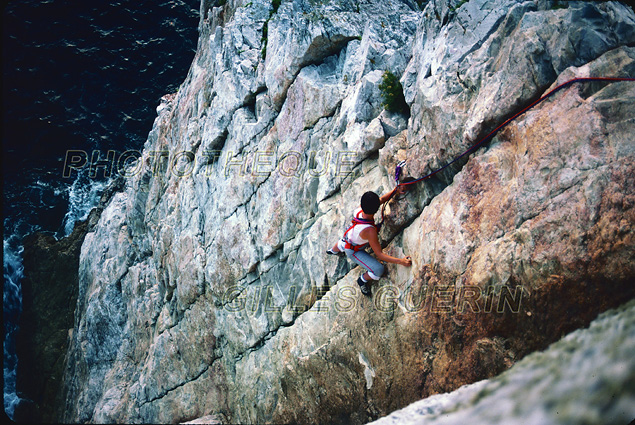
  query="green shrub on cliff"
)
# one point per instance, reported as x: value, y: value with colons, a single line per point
x: 457, y: 6
x: 392, y: 93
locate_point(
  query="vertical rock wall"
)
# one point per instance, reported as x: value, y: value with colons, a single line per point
x: 204, y: 289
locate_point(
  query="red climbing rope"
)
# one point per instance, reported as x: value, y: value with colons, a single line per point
x: 497, y: 129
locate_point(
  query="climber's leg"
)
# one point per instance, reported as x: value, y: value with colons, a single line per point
x: 374, y: 269
x: 338, y: 248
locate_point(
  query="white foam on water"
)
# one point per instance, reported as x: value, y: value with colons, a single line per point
x: 83, y: 196
x: 11, y: 305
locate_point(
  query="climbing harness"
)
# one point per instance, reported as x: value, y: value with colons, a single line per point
x: 497, y: 129
x: 357, y: 221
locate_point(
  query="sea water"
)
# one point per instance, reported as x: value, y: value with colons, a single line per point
x: 77, y: 75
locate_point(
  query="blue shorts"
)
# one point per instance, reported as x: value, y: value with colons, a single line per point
x: 372, y: 265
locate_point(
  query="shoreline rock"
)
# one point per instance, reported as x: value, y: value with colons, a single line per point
x: 49, y: 297
x: 184, y: 283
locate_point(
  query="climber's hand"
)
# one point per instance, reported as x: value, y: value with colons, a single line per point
x: 406, y: 261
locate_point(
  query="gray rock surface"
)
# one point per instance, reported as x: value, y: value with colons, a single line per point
x: 573, y: 381
x: 204, y: 290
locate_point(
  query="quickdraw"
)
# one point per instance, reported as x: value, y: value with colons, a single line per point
x: 398, y: 171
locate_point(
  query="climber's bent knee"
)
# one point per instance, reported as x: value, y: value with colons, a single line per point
x: 377, y: 272
x: 374, y: 268
x: 341, y: 245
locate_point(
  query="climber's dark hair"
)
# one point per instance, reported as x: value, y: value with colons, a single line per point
x: 370, y: 202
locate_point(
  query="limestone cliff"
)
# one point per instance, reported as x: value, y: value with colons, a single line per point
x: 204, y: 290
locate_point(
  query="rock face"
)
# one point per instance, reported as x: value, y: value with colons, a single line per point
x: 49, y: 296
x: 204, y: 290
x: 573, y: 381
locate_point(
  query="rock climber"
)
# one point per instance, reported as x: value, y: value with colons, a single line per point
x: 363, y: 233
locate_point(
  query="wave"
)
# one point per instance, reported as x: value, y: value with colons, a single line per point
x: 83, y: 195
x: 86, y: 80
x: 11, y: 303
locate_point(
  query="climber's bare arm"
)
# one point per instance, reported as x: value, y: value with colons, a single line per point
x: 370, y: 234
x: 386, y: 196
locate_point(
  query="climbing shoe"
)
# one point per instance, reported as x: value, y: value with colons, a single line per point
x: 363, y: 286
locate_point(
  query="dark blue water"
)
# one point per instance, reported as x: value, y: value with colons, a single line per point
x: 77, y: 75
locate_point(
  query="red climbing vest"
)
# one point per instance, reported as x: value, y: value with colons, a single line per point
x: 358, y: 220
